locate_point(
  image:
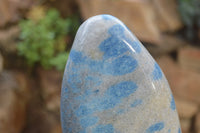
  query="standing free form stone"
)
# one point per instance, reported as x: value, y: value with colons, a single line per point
x: 112, y: 84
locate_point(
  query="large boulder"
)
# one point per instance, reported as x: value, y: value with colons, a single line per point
x: 167, y: 15
x: 146, y: 18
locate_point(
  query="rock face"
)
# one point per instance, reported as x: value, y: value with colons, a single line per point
x: 112, y: 84
x: 186, y: 109
x: 10, y: 10
x: 189, y: 58
x: 49, y: 81
x: 146, y: 18
x: 138, y: 15
x: 8, y: 39
x: 1, y: 63
x: 12, y: 103
x: 184, y: 82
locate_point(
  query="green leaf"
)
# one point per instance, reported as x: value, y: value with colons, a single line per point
x: 60, y: 60
x: 44, y: 41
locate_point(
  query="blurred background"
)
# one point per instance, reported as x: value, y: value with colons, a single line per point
x: 36, y: 37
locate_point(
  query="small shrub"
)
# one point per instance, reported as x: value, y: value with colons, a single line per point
x: 59, y: 61
x: 190, y: 14
x: 43, y: 40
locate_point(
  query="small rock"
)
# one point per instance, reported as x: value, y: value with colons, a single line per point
x: 186, y: 109
x: 189, y: 58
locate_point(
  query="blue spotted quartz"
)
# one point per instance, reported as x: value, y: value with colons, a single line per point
x: 111, y: 84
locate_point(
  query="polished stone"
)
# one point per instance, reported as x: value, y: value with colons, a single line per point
x: 111, y: 84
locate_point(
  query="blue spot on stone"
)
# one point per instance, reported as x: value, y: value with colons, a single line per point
x: 115, y: 93
x: 179, y: 130
x: 76, y: 57
x: 173, y: 106
x: 74, y: 82
x: 169, y: 131
x: 136, y: 103
x: 157, y: 73
x: 113, y: 47
x: 122, y: 89
x: 156, y: 127
x: 83, y: 131
x: 104, y: 129
x: 70, y: 130
x: 116, y: 44
x: 95, y: 66
x: 88, y: 108
x: 107, y: 17
x: 65, y: 90
x: 121, y: 111
x: 88, y: 121
x: 79, y: 98
x: 110, y: 98
x: 108, y: 102
x: 65, y: 93
x: 92, y: 80
x: 117, y: 30
x: 82, y: 111
x: 96, y: 91
x: 121, y: 65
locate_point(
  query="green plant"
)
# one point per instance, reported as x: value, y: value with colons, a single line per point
x: 44, y: 41
x: 59, y: 61
x: 190, y: 14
